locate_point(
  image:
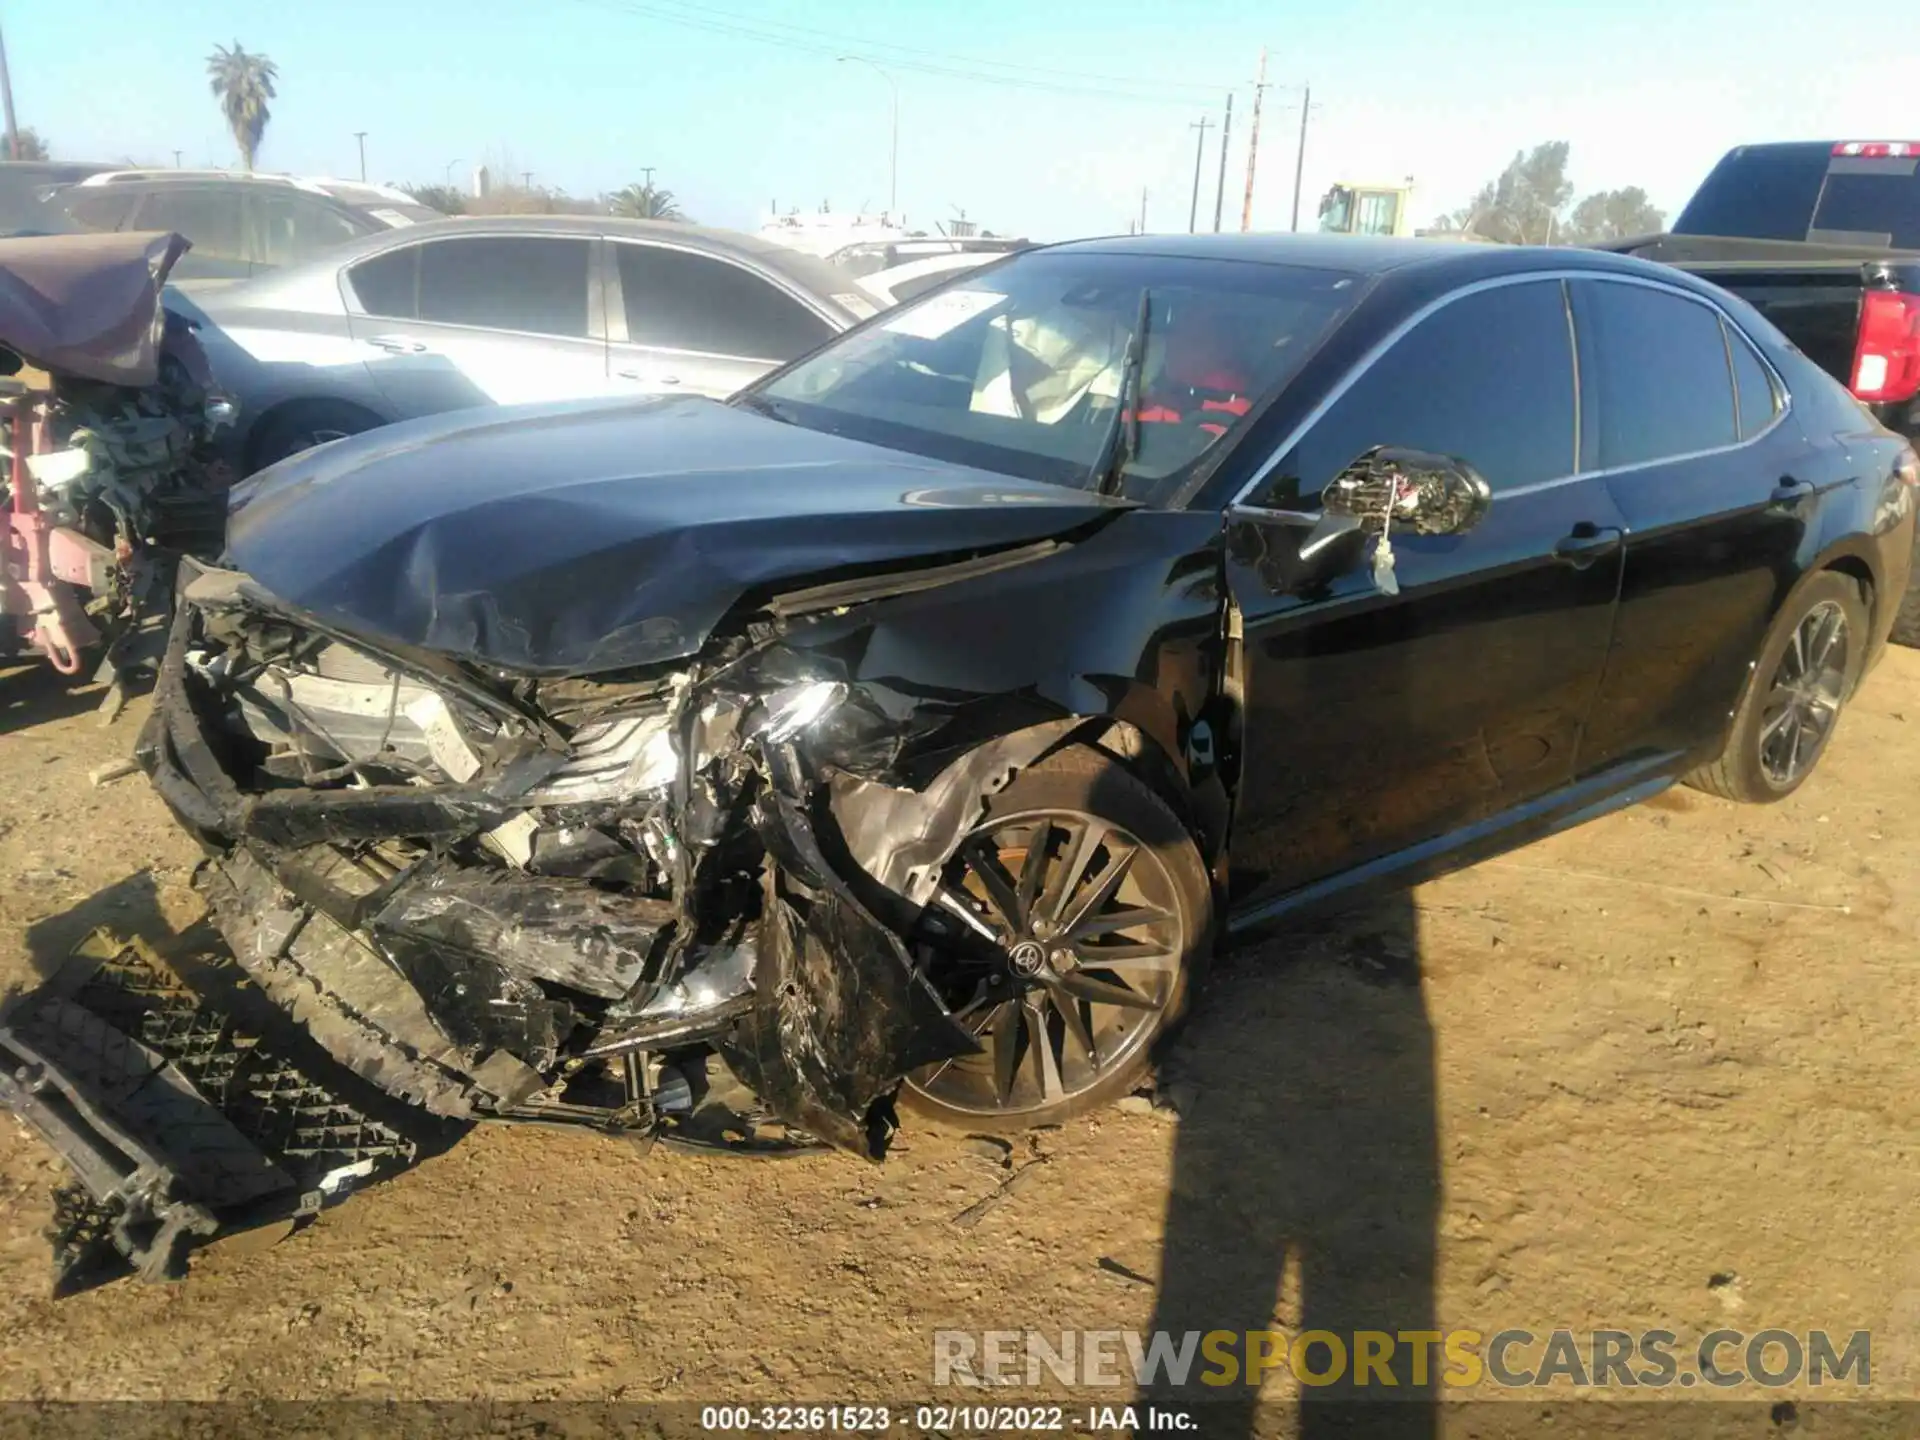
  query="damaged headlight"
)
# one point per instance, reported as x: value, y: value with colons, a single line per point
x: 791, y: 709
x: 612, y: 759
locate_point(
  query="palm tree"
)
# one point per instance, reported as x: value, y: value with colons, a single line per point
x: 645, y: 202
x: 243, y: 84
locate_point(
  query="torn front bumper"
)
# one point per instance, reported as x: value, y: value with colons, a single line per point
x: 486, y: 991
x: 180, y: 1115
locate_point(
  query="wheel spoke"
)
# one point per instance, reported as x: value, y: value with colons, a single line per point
x: 1046, y: 1065
x: 1097, y: 925
x: 956, y: 906
x: 1150, y: 956
x: 983, y: 859
x: 1119, y: 862
x: 1777, y: 724
x: 1069, y: 1008
x: 1074, y: 870
x: 1102, y: 992
x: 1797, y: 651
x: 1831, y: 628
x: 1034, y: 871
x: 1006, y: 1049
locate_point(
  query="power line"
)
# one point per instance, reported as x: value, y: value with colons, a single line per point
x: 964, y: 67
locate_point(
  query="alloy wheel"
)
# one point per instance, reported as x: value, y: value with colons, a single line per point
x: 1056, y: 938
x: 1806, y: 694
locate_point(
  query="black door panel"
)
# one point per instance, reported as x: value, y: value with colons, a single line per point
x: 1374, y: 721
x: 1713, y: 531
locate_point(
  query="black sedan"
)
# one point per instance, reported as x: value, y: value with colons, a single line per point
x: 915, y: 724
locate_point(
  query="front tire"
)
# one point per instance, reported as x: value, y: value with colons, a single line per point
x: 1806, y: 672
x: 1067, y: 932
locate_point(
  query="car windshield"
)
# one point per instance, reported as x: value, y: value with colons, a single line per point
x: 1019, y: 369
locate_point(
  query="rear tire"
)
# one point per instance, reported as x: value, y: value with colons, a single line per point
x: 1806, y: 671
x: 1056, y: 1043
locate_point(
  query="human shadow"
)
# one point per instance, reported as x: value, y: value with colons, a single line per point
x: 1306, y: 1175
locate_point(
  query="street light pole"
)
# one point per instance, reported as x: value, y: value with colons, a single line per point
x: 893, y: 154
x: 361, y: 136
x: 450, y: 165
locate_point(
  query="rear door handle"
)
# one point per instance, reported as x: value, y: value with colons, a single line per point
x: 398, y: 345
x: 640, y: 377
x: 1790, y: 489
x: 1588, y: 543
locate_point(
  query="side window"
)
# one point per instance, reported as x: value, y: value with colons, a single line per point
x: 681, y: 301
x: 100, y: 208
x: 389, y: 285
x: 289, y: 228
x: 535, y: 283
x: 1753, y: 386
x: 1488, y: 379
x: 209, y: 218
x: 1661, y: 385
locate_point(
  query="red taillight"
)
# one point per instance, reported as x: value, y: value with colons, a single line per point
x: 1879, y: 149
x: 1886, y: 365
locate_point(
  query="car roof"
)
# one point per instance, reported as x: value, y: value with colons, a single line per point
x: 1438, y: 261
x: 810, y: 271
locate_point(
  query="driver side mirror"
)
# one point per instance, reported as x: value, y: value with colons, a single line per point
x: 1428, y: 494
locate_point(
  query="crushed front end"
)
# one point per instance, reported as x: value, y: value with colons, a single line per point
x: 616, y: 901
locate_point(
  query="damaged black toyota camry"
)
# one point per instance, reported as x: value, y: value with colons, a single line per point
x: 913, y: 726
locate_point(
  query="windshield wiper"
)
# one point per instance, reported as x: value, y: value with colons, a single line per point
x: 1122, y: 442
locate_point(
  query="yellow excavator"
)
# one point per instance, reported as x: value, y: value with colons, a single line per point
x: 1354, y: 209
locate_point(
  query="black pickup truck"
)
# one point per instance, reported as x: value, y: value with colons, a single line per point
x: 1823, y: 237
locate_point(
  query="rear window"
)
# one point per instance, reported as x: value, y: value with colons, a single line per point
x: 1807, y: 193
x: 1760, y: 192
x: 1870, y: 202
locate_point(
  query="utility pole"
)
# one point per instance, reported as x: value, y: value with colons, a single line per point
x: 361, y: 136
x: 1143, y: 209
x: 6, y: 98
x: 893, y: 153
x: 526, y: 179
x: 1199, y: 153
x: 647, y: 170
x: 176, y: 158
x: 1300, y: 161
x: 1253, y: 144
x: 1220, y: 188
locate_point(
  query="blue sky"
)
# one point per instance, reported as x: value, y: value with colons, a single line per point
x: 584, y: 93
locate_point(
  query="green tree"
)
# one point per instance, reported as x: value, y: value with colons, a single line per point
x: 1608, y: 215
x: 243, y: 84
x: 1524, y: 205
x: 645, y: 202
x: 31, y: 145
x: 444, y: 198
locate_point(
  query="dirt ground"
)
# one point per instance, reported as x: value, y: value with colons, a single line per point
x: 1659, y: 1071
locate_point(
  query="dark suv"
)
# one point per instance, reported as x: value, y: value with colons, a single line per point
x: 240, y: 225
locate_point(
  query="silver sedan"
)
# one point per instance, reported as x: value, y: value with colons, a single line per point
x: 502, y: 311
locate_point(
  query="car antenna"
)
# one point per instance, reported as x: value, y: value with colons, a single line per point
x: 1122, y: 440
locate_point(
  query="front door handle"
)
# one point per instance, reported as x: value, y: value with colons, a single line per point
x: 640, y: 377
x: 1790, y: 489
x: 398, y: 345
x: 1588, y: 543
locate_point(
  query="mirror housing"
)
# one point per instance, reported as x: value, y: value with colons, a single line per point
x: 1430, y: 494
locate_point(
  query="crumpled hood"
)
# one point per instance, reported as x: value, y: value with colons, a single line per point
x: 597, y: 535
